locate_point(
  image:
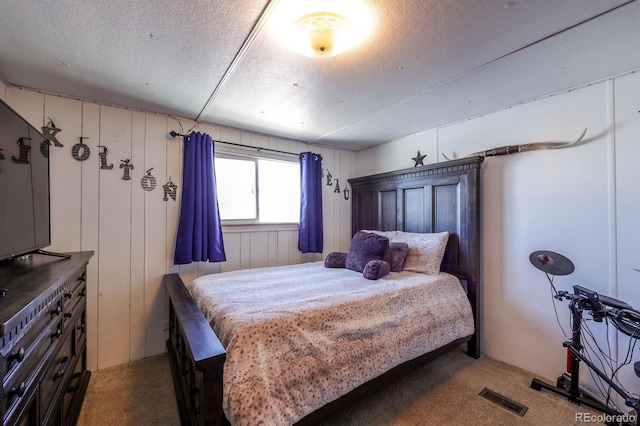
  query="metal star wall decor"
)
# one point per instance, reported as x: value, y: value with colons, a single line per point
x: 419, y: 159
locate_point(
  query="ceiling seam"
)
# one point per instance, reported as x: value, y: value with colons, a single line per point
x: 560, y: 92
x: 239, y: 56
x: 493, y: 61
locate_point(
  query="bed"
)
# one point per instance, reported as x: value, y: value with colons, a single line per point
x: 428, y: 199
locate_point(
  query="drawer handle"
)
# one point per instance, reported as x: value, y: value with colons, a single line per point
x: 195, y: 400
x: 83, y: 292
x: 57, y: 311
x: 20, y: 390
x: 81, y: 327
x: 18, y: 356
x: 68, y: 314
x: 68, y: 295
x: 56, y: 334
x: 185, y: 365
x: 58, y: 374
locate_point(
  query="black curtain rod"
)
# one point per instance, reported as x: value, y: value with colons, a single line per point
x: 173, y: 133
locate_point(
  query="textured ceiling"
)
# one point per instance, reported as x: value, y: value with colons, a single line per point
x: 428, y: 63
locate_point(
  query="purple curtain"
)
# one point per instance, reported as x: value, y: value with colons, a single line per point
x: 310, y: 234
x: 199, y: 230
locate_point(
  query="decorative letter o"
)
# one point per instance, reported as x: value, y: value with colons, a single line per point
x: 75, y: 151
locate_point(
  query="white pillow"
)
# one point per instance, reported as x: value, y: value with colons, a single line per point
x: 425, y: 250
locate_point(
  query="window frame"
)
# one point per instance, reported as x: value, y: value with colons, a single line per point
x: 240, y: 225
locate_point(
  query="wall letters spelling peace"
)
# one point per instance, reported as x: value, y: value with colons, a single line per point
x: 336, y: 190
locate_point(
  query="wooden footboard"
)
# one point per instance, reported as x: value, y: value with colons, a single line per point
x: 196, y: 358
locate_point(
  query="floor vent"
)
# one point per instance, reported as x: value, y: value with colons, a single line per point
x: 504, y: 402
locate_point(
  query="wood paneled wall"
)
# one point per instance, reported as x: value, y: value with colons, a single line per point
x: 132, y: 231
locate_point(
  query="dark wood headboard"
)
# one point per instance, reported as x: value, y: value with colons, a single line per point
x: 434, y: 198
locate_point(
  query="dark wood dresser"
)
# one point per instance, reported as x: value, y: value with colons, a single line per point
x: 43, y: 339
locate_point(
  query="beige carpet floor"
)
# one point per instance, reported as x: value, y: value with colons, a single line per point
x: 444, y: 392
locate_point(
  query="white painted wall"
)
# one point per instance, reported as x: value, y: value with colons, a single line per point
x: 583, y: 202
x: 625, y: 247
x: 132, y: 231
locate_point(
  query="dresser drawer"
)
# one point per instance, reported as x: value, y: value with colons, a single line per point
x: 74, y: 302
x: 75, y: 383
x: 57, y: 373
x: 75, y: 290
x: 25, y: 412
x: 23, y: 377
x: 80, y: 332
x: 17, y: 353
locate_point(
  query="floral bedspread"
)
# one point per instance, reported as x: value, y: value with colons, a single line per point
x: 300, y: 336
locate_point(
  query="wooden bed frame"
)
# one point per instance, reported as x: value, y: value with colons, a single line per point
x: 433, y: 198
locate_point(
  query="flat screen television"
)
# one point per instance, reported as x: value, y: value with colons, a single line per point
x: 24, y: 186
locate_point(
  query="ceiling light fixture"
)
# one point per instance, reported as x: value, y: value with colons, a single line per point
x: 322, y: 34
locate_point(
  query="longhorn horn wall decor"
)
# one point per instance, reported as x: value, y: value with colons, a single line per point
x: 512, y: 149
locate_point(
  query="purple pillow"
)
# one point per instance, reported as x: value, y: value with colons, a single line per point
x: 365, y: 247
x: 397, y: 256
x: 375, y: 269
x: 335, y: 259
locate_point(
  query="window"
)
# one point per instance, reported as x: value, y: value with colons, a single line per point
x: 257, y: 190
